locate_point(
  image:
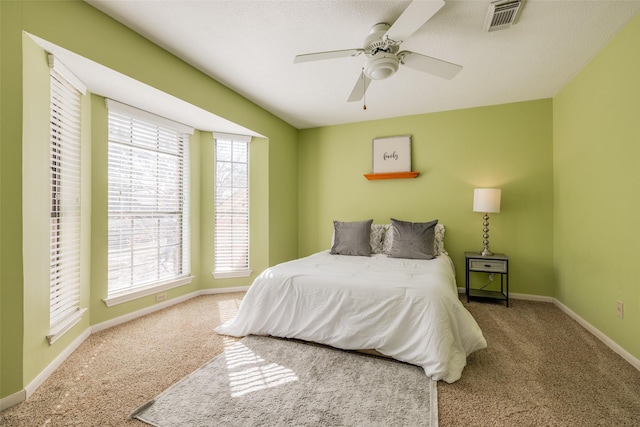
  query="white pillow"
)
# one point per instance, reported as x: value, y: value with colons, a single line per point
x: 439, y: 240
x: 378, y: 232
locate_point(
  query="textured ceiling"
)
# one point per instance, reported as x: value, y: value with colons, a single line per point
x: 249, y: 46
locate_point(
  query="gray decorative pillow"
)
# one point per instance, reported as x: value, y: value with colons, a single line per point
x: 387, y: 241
x: 352, y: 238
x: 414, y: 240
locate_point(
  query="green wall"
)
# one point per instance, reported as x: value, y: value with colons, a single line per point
x: 11, y: 279
x: 597, y: 190
x: 35, y: 211
x: 80, y: 28
x: 505, y: 146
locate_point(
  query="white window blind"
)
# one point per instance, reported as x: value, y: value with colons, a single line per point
x: 65, y: 186
x: 231, y: 205
x: 148, y: 201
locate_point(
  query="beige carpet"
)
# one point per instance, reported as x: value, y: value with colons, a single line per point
x: 540, y: 368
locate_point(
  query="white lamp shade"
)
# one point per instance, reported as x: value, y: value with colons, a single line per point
x: 486, y: 200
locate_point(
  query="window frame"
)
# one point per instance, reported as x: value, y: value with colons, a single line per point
x: 65, y: 207
x: 139, y: 125
x: 223, y: 264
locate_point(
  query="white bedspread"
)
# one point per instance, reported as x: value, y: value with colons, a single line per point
x: 403, y: 308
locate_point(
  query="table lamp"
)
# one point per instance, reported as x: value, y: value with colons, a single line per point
x: 486, y: 200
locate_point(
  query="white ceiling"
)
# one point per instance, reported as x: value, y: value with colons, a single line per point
x: 249, y: 46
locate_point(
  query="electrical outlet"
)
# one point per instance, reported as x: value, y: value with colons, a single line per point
x: 161, y: 297
x: 620, y: 309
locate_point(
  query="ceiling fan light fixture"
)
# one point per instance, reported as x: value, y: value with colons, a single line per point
x: 382, y: 49
x: 381, y: 67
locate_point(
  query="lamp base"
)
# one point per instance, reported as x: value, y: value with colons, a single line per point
x: 485, y: 242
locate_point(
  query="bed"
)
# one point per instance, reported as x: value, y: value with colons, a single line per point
x: 406, y: 308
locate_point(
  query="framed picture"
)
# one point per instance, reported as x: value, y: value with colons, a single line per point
x: 392, y: 154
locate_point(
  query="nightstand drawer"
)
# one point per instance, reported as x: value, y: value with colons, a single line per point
x: 490, y: 265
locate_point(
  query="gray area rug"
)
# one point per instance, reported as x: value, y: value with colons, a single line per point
x: 263, y: 381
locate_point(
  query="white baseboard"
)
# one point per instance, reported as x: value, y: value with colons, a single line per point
x: 142, y: 312
x: 635, y: 362
x: 528, y: 297
x: 156, y: 307
x: 588, y: 326
x: 42, y: 376
x: 13, y: 399
x: 212, y: 291
x: 24, y: 394
x: 602, y: 337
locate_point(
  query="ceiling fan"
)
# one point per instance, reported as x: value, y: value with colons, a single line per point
x: 382, y: 49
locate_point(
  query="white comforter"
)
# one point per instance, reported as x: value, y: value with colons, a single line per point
x: 403, y: 308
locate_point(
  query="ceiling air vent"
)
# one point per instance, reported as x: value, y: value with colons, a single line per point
x: 502, y: 14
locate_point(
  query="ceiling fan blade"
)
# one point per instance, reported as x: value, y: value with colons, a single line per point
x: 359, y: 88
x: 318, y: 56
x: 414, y: 16
x: 430, y: 65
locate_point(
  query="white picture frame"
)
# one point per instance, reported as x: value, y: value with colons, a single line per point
x: 392, y: 154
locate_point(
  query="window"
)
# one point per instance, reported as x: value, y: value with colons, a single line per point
x: 231, y: 205
x: 148, y: 204
x: 65, y: 212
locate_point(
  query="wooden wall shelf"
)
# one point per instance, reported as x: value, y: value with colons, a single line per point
x: 391, y: 175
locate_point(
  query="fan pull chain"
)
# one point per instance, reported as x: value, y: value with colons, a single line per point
x: 364, y: 92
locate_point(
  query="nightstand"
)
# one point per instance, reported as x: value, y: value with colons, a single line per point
x: 496, y: 264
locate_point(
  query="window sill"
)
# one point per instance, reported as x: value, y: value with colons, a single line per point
x: 66, y: 325
x: 231, y: 274
x: 120, y: 298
